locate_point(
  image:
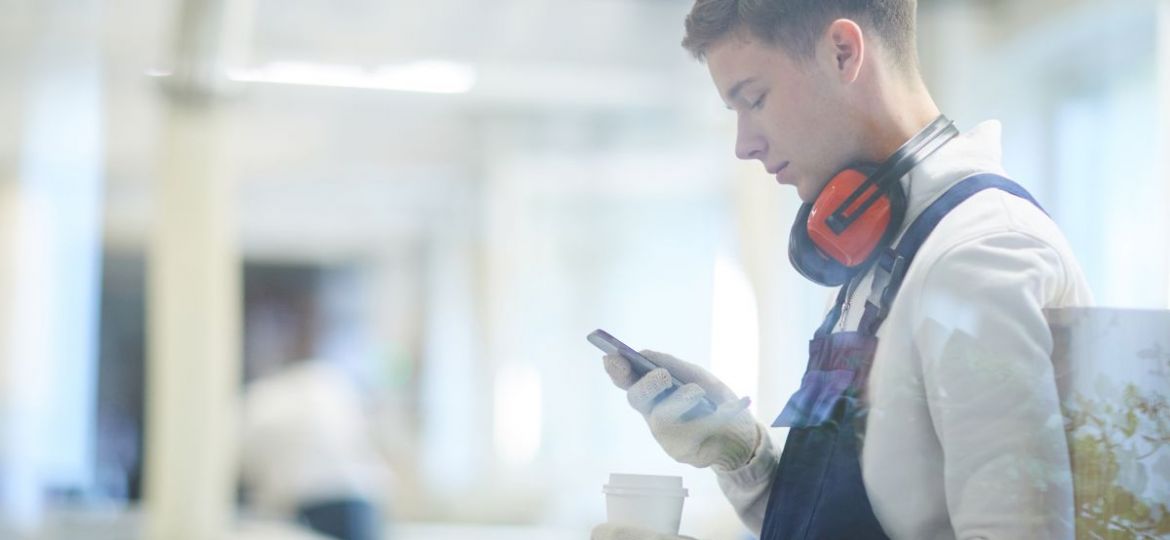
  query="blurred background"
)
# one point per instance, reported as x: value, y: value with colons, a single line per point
x: 233, y: 230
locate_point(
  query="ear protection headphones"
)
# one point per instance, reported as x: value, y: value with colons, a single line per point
x: 859, y: 212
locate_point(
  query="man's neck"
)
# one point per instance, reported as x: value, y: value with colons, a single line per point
x: 899, y: 114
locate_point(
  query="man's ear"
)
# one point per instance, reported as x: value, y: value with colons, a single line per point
x: 846, y: 43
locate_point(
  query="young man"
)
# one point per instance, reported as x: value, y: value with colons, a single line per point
x: 929, y: 408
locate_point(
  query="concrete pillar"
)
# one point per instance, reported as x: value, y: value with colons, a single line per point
x: 193, y: 289
x: 453, y: 383
x: 193, y: 355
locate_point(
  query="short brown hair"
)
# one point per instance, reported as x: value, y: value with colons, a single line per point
x: 795, y: 25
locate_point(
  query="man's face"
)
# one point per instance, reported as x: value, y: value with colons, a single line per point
x: 792, y: 115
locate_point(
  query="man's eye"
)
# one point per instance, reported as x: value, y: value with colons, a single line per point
x: 759, y: 102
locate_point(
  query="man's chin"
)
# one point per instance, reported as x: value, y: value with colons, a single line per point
x: 806, y: 194
x: 809, y: 191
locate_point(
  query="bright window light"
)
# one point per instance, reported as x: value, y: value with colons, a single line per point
x: 517, y: 414
x: 735, y: 329
x: 429, y: 76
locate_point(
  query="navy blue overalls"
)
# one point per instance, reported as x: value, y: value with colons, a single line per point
x: 817, y: 492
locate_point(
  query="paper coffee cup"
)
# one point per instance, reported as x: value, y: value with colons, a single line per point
x: 647, y: 501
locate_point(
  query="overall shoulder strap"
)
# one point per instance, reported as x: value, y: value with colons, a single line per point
x: 894, y: 262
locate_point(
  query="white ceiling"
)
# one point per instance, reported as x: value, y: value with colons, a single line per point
x: 343, y: 168
x: 634, y: 33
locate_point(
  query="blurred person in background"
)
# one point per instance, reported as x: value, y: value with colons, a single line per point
x: 929, y: 407
x: 308, y: 453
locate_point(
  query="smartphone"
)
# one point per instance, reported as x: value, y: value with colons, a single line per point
x: 642, y: 365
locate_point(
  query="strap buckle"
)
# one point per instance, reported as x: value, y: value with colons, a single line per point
x: 888, y: 280
x: 897, y: 273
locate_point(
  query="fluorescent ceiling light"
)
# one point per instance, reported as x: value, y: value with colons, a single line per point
x: 430, y: 76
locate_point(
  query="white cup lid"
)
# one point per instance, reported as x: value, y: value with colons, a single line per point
x: 644, y: 484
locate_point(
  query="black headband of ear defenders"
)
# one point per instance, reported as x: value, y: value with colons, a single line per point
x: 908, y: 156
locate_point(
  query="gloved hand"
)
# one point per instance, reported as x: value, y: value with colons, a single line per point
x: 724, y: 439
x: 607, y: 531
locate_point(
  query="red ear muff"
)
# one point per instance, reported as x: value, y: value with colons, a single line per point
x: 856, y: 242
x: 841, y: 233
x: 830, y: 258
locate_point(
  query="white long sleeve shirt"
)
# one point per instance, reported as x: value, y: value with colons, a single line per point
x: 964, y: 436
x: 306, y: 439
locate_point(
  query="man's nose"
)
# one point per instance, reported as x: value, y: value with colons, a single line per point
x: 749, y: 145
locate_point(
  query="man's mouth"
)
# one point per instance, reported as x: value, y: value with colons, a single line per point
x: 779, y: 170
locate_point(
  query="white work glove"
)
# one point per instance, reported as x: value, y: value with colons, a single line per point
x: 724, y: 439
x: 607, y: 531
